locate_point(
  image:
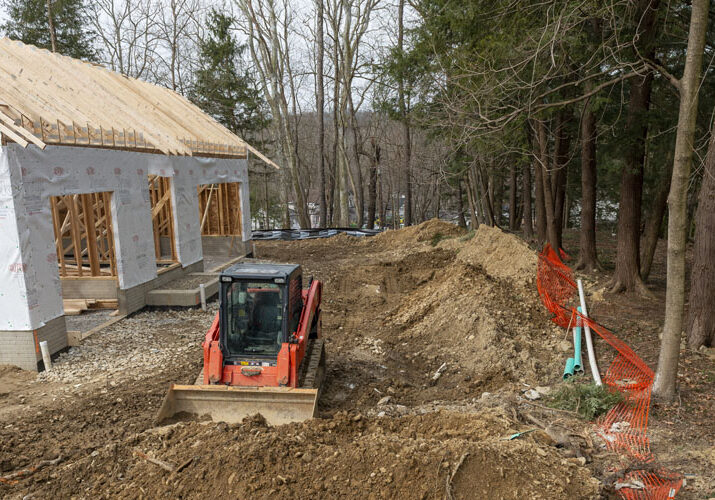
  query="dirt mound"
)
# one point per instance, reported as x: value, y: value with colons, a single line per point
x: 12, y: 376
x: 501, y: 255
x: 427, y: 231
x: 473, y: 317
x: 408, y: 457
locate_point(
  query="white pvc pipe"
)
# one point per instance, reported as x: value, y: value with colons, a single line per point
x: 202, y: 293
x: 46, y: 355
x: 587, y: 333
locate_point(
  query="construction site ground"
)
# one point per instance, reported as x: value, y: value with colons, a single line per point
x: 432, y: 337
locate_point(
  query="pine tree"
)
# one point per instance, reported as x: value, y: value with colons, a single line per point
x: 29, y: 22
x: 222, y: 89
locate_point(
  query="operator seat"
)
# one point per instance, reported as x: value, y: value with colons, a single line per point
x: 267, y: 316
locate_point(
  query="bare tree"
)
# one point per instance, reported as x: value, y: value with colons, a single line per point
x: 664, y: 384
x: 320, y: 107
x: 701, y: 322
x: 268, y: 27
x: 128, y: 33
x: 178, y: 28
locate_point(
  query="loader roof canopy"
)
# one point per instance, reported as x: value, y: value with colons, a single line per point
x: 267, y: 271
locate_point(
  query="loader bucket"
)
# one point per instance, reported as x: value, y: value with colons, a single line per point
x: 231, y: 404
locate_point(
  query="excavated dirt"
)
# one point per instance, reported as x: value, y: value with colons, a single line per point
x: 430, y: 343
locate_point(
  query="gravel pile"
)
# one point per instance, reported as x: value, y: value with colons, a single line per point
x: 134, y: 347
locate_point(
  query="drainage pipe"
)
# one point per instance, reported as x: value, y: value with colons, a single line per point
x: 589, y: 342
x: 568, y: 371
x: 577, y: 362
x: 202, y: 294
x: 46, y: 359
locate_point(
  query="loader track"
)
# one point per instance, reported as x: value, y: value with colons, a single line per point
x: 313, y: 368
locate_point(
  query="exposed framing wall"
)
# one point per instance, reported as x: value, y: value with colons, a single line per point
x: 84, y: 238
x: 162, y: 218
x: 220, y: 209
x: 29, y: 274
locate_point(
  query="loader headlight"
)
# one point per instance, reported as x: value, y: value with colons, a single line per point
x: 226, y: 279
x: 279, y: 280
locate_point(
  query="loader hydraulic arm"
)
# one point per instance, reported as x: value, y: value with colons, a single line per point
x: 213, y: 357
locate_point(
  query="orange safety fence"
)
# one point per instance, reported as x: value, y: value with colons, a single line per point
x: 624, y: 427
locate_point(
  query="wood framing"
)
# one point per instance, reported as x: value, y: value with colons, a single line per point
x: 84, y: 239
x: 82, y: 104
x: 220, y: 209
x: 162, y: 218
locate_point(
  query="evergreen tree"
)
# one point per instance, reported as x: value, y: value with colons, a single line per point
x: 222, y: 89
x: 29, y: 22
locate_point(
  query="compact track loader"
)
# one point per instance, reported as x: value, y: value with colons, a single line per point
x: 263, y: 353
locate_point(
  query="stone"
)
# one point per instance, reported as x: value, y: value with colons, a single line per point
x: 384, y: 401
x: 532, y: 395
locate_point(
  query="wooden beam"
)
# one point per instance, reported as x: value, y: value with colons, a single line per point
x: 90, y: 233
x: 58, y: 235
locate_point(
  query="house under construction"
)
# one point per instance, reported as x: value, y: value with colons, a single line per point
x: 109, y: 187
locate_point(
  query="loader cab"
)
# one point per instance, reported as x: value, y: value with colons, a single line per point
x: 260, y: 307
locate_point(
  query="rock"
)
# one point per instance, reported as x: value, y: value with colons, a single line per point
x: 543, y: 438
x: 384, y: 401
x: 532, y: 395
x: 577, y: 460
x: 357, y: 418
x: 565, y: 346
x: 439, y: 372
x: 541, y: 452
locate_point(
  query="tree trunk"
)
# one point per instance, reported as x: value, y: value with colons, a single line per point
x: 460, y: 204
x: 471, y: 198
x: 526, y: 200
x: 487, y: 208
x: 335, y: 178
x: 542, y: 140
x: 513, y: 220
x: 381, y: 200
x: 320, y: 105
x: 652, y: 228
x: 627, y: 275
x: 701, y: 321
x: 587, y: 241
x: 372, y: 189
x: 359, y: 188
x: 406, y: 139
x: 540, y: 209
x: 560, y: 174
x: 51, y: 24
x: 664, y: 385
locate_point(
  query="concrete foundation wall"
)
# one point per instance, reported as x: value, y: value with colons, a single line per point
x: 89, y: 288
x: 221, y: 245
x: 20, y: 349
x: 135, y: 298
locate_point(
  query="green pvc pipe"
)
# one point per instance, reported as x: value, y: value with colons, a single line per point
x: 568, y: 371
x: 577, y: 363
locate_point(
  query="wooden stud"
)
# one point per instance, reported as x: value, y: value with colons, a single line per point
x: 90, y: 234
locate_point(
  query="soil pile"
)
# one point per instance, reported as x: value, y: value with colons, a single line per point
x: 502, y: 256
x: 425, y: 232
x: 347, y: 455
x: 481, y: 315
